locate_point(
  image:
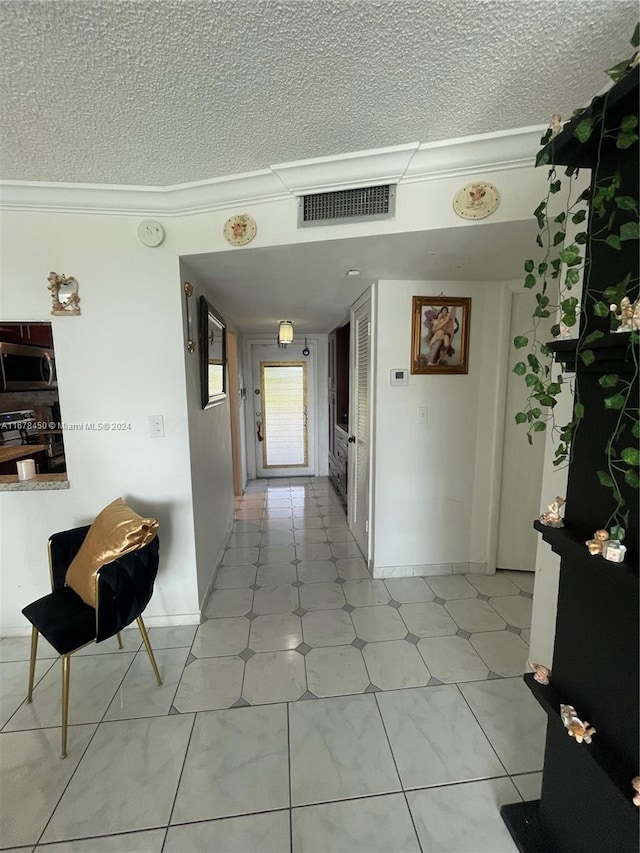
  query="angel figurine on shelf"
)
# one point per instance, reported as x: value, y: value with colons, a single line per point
x: 541, y: 673
x: 581, y: 731
x: 553, y: 516
x: 636, y: 787
x: 627, y: 315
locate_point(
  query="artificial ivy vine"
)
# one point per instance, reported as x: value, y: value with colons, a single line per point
x: 551, y: 279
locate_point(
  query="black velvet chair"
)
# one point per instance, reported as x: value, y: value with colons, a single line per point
x: 123, y: 590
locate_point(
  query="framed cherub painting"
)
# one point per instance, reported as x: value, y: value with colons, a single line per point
x: 440, y: 334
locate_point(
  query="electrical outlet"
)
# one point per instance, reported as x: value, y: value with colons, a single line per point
x: 156, y: 426
x: 422, y: 415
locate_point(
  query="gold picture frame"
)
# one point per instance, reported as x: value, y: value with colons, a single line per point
x: 440, y: 334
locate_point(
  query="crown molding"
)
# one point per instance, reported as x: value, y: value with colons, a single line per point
x: 408, y: 163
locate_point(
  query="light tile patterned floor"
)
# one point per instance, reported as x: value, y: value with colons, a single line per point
x: 316, y: 709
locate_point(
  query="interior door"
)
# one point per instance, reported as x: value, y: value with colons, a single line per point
x: 283, y: 419
x: 360, y: 421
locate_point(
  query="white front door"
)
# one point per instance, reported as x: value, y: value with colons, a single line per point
x: 283, y: 419
x: 360, y: 421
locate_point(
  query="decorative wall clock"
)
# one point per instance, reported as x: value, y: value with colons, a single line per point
x: 476, y: 201
x: 240, y: 230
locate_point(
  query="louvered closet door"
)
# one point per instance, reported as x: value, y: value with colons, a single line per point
x: 360, y: 420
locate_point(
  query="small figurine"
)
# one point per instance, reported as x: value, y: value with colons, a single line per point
x: 636, y: 787
x: 553, y: 516
x: 574, y: 725
x: 627, y: 315
x: 541, y: 673
x: 596, y: 545
x: 614, y: 551
x: 555, y: 124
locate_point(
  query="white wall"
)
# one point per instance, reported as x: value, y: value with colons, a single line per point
x: 120, y: 361
x: 435, y: 486
x: 211, y: 460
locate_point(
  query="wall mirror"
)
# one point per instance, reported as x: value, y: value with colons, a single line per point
x: 213, y: 355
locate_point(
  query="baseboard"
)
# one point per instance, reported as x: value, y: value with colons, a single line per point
x: 430, y: 569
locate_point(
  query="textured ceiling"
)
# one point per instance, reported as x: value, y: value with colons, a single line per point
x: 159, y: 93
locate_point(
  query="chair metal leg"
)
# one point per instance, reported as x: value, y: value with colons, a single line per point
x: 120, y: 646
x: 32, y: 662
x: 147, y: 644
x: 66, y: 666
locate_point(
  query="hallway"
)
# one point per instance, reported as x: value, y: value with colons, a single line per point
x: 416, y: 729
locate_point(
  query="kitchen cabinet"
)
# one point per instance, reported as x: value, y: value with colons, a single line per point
x: 30, y: 334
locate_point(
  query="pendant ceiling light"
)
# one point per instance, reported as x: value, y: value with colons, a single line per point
x: 285, y: 333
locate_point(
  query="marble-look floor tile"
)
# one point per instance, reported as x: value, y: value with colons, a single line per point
x: 275, y: 599
x: 34, y: 777
x: 514, y: 609
x: 139, y: 695
x: 172, y: 636
x: 353, y: 568
x: 94, y: 682
x: 452, y: 586
x: 503, y: 652
x: 307, y: 522
x: 492, y: 585
x: 327, y: 628
x: 221, y: 637
x: 210, y: 683
x: 19, y: 648
x: 523, y: 580
x: 475, y: 615
x: 248, y: 539
x: 514, y: 722
x: 274, y: 677
x: 452, y: 659
x: 276, y: 554
x: 277, y: 537
x: 313, y: 551
x: 345, y: 550
x: 369, y: 825
x: 275, y: 632
x: 14, y: 683
x: 276, y: 575
x: 344, y: 742
x: 267, y: 833
x: 525, y: 634
x: 529, y: 786
x: 237, y: 761
x: 146, y: 841
x: 317, y: 571
x: 277, y: 512
x: 406, y: 590
x: 229, y: 602
x: 310, y: 536
x: 235, y: 577
x: 116, y: 790
x: 338, y: 533
x: 427, y: 619
x: 305, y: 512
x: 322, y: 596
x: 365, y: 592
x: 246, y: 525
x: 464, y: 818
x: 248, y: 515
x: 379, y: 622
x: 395, y: 664
x: 240, y: 556
x: 131, y: 642
x: 336, y: 671
x: 435, y: 738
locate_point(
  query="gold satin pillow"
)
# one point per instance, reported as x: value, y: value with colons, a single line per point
x: 116, y: 531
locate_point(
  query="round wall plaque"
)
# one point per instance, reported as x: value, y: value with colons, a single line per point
x: 476, y: 201
x: 240, y: 230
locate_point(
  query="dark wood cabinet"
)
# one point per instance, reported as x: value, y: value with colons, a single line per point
x: 338, y: 381
x: 33, y: 334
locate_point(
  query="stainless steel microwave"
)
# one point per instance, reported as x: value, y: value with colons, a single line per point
x: 25, y: 368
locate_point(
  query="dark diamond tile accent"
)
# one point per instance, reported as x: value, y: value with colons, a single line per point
x: 349, y: 608
x: 493, y: 675
x: 464, y: 634
x: 358, y: 643
x: 300, y: 611
x: 173, y: 710
x: 190, y: 659
x: 525, y: 594
x: 483, y: 597
x: 411, y: 638
x: 251, y: 615
x: 340, y: 580
x: 297, y: 583
x: 513, y: 629
x: 308, y: 695
x: 303, y: 648
x: 395, y: 604
x: 241, y: 703
x: 254, y: 586
x: 295, y: 562
x: 372, y: 689
x: 438, y: 600
x: 433, y: 681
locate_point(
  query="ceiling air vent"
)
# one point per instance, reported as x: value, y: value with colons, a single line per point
x: 357, y: 205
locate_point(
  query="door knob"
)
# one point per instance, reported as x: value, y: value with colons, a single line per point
x: 352, y: 439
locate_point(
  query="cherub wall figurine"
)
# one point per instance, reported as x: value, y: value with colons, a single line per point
x: 627, y: 315
x: 574, y: 725
x: 555, y: 125
x: 553, y: 516
x: 636, y: 787
x: 541, y: 673
x: 596, y: 545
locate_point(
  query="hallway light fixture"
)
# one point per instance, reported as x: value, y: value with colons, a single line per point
x: 285, y: 333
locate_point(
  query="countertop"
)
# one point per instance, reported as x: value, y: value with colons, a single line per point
x: 20, y: 451
x: 41, y: 482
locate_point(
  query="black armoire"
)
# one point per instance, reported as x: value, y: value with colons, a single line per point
x: 586, y: 800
